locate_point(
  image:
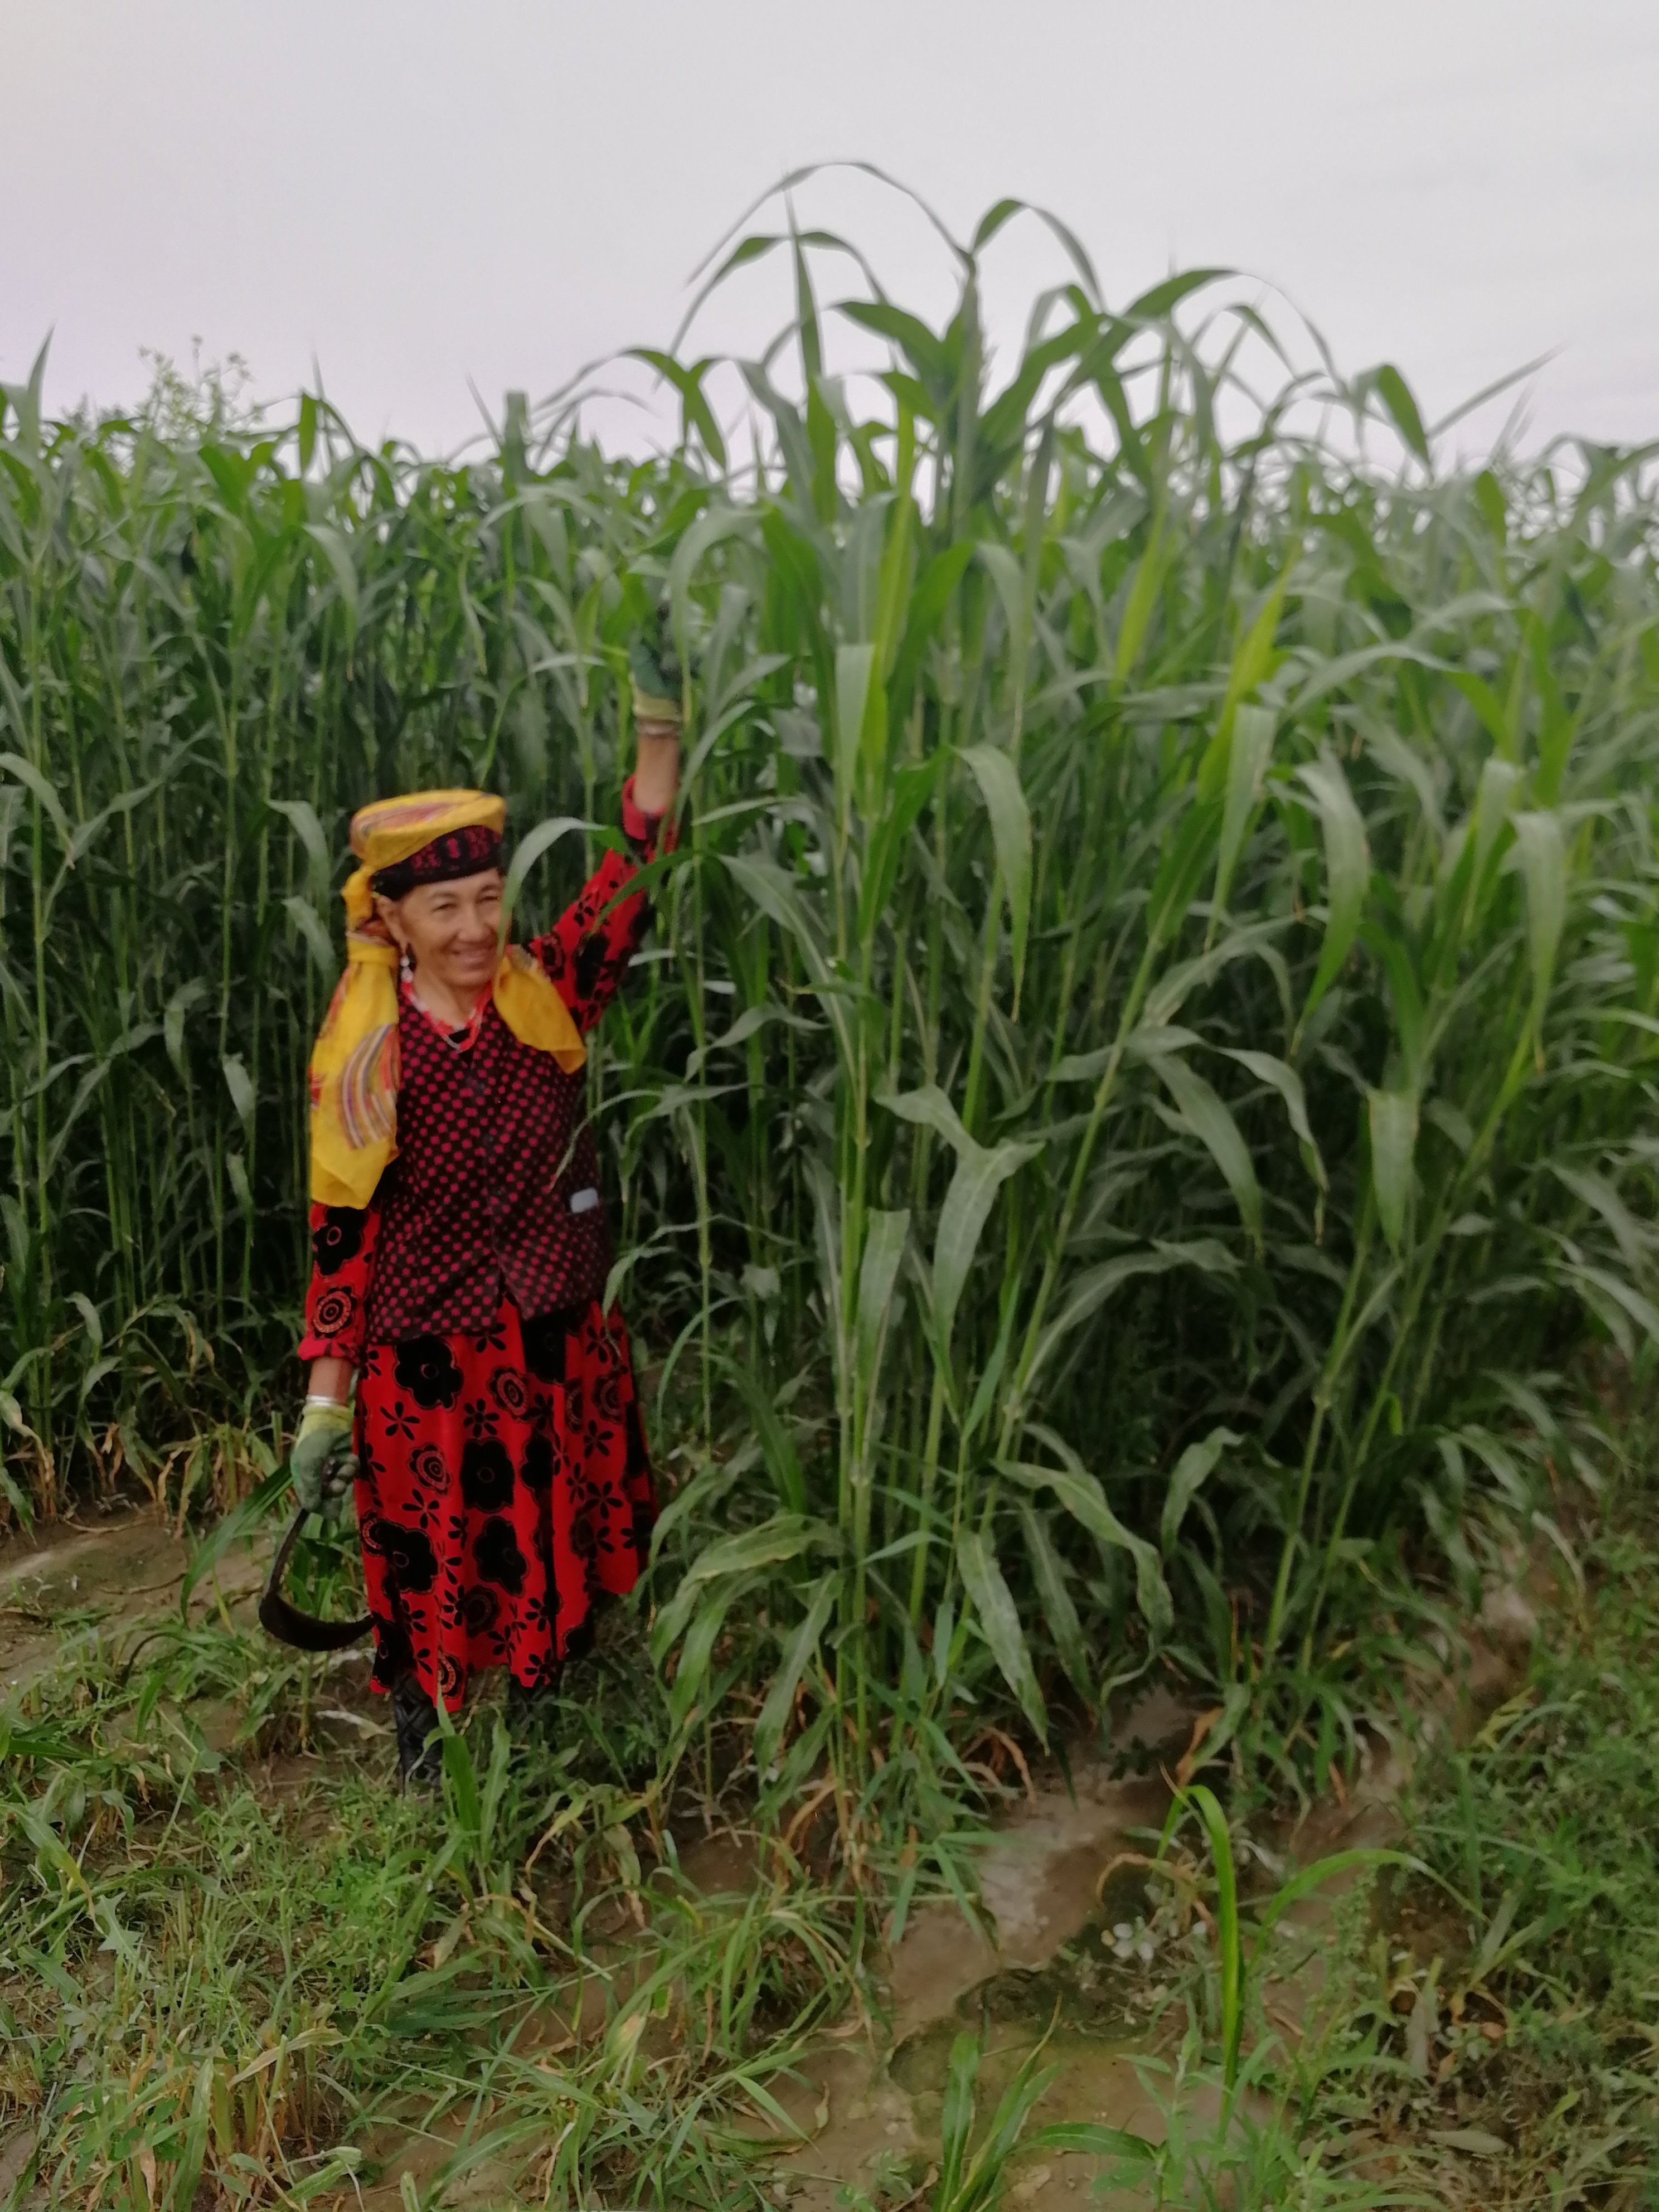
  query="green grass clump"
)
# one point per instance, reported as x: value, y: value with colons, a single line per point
x: 263, y: 1974
x: 1476, y: 2023
x: 1544, y: 1824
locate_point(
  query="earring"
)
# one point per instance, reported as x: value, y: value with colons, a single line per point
x: 406, y: 965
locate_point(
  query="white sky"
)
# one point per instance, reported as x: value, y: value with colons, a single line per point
x: 418, y: 194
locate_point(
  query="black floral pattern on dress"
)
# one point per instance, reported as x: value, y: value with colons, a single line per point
x: 429, y: 1471
x: 486, y: 1475
x: 426, y: 1368
x: 607, y: 1395
x: 544, y: 1340
x: 536, y: 1467
x: 511, y: 1393
x: 596, y: 1438
x: 479, y: 1419
x: 543, y: 1671
x: 334, y: 1309
x: 597, y: 1341
x: 497, y: 1555
x: 394, y: 1654
x: 590, y: 965
x: 476, y: 1608
x: 411, y: 1562
x: 337, y: 1238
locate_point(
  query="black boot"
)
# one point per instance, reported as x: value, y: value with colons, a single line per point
x: 415, y: 1718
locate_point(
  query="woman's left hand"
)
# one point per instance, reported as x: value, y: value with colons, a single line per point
x: 323, y: 1463
x: 658, y: 678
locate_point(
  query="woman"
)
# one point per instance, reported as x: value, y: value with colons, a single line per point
x: 460, y: 1251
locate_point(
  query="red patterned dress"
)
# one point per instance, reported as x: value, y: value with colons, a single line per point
x: 504, y: 1487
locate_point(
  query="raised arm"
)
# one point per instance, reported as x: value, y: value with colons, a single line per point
x: 586, y: 951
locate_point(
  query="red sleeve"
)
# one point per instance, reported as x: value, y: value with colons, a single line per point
x: 587, y: 950
x: 343, y: 1239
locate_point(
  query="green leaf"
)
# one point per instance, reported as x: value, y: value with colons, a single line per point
x: 955, y: 2118
x: 854, y: 666
x: 1347, y: 867
x: 31, y: 778
x: 317, y: 942
x: 1058, y: 1612
x: 1191, y: 1471
x: 691, y: 1670
x: 935, y: 587
x: 337, y: 548
x: 1394, y: 392
x: 778, y: 895
x: 999, y: 1617
x: 749, y: 1023
x: 931, y: 1108
x: 1176, y: 886
x: 302, y: 816
x: 884, y: 1248
x: 1011, y: 830
x: 1211, y: 1121
x: 244, y: 1519
x: 979, y: 1175
x: 237, y: 1082
x: 797, y: 1657
x: 173, y: 1024
x: 1092, y: 2139
x: 1089, y: 1291
x: 1543, y: 861
x: 1247, y: 759
x: 777, y: 1446
x: 1393, y: 1117
x: 1252, y: 662
x: 1081, y: 1495
x: 908, y: 791
x: 530, y: 848
x: 1268, y: 1067
x: 784, y: 1536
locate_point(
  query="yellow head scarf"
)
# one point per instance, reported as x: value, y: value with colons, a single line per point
x: 353, y: 1063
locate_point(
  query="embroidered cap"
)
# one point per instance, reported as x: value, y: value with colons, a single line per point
x: 457, y: 852
x: 394, y: 833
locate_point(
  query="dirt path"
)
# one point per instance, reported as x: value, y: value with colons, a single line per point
x: 75, y: 1577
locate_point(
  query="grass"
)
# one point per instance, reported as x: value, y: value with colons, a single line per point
x: 256, y: 1969
x: 251, y: 1969
x: 1477, y: 2018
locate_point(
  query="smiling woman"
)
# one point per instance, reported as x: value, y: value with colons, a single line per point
x: 460, y: 1250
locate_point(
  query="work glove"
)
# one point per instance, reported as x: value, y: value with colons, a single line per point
x: 653, y: 662
x: 322, y: 1462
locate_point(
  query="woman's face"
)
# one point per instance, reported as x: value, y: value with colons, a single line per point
x: 453, y: 930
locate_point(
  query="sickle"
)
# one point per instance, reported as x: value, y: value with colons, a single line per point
x: 286, y: 1622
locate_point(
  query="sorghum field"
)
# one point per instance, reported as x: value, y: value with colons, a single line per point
x: 1132, y: 1148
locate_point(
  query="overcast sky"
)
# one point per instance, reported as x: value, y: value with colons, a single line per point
x: 435, y: 193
